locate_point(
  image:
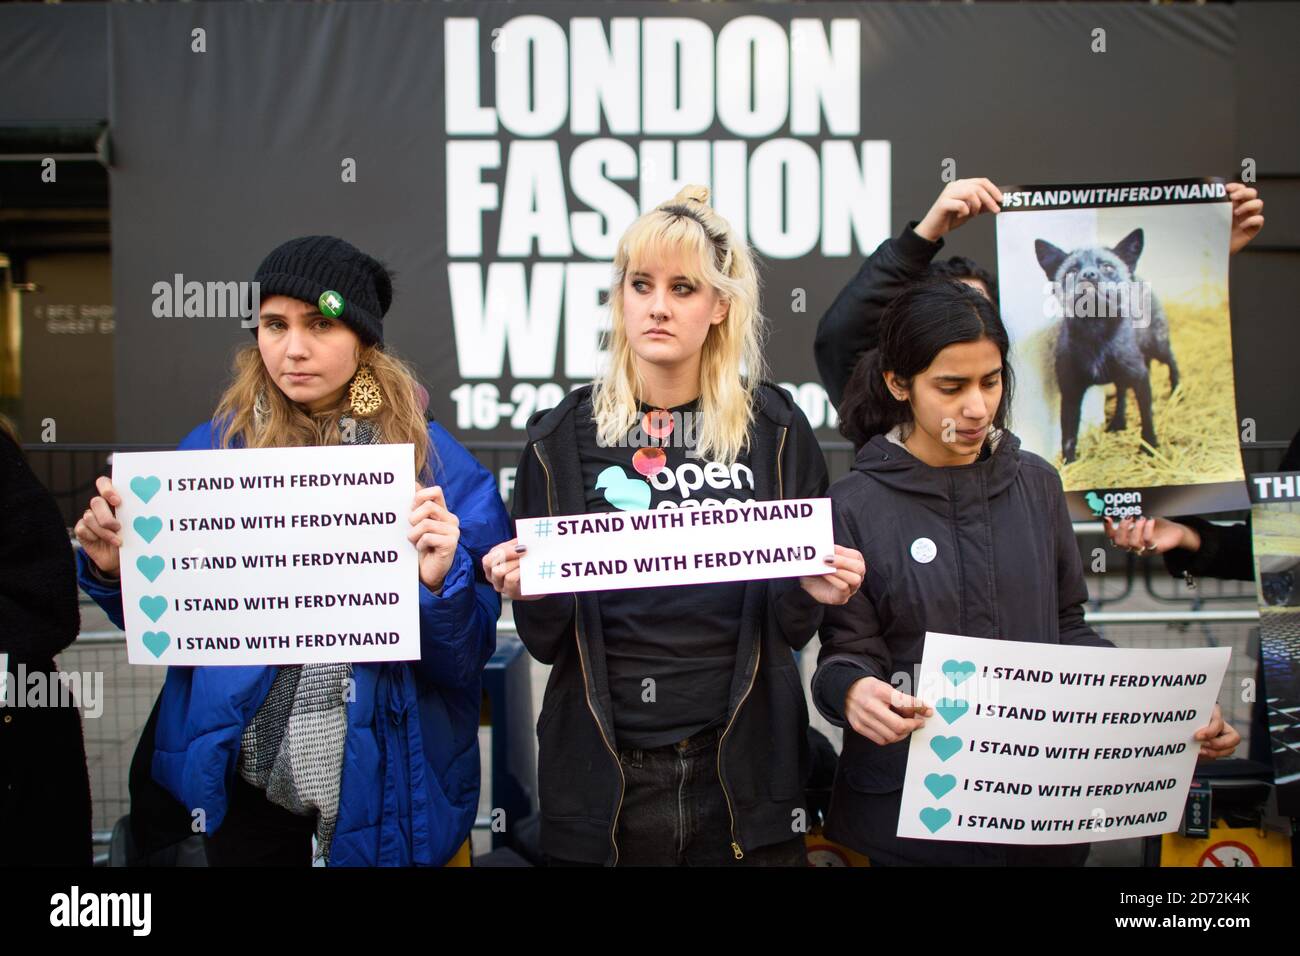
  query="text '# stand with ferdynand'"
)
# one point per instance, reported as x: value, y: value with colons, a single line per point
x: 268, y: 555
x: 663, y: 547
x: 1047, y: 743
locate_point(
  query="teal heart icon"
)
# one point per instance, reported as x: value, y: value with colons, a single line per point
x: 147, y: 528
x: 950, y: 710
x: 939, y: 783
x: 958, y: 671
x: 624, y: 493
x: 153, y: 606
x: 145, y: 486
x: 150, y: 566
x: 935, y: 819
x: 156, y: 642
x: 945, y: 747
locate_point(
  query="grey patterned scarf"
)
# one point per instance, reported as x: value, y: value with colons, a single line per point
x: 293, y: 747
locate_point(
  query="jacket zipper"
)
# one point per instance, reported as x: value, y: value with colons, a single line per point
x: 736, y: 848
x: 586, y: 686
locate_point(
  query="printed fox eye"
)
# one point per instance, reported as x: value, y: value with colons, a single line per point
x: 1107, y: 268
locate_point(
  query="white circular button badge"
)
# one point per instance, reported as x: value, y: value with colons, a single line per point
x: 923, y: 550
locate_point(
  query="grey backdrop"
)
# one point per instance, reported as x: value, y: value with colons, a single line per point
x: 218, y: 156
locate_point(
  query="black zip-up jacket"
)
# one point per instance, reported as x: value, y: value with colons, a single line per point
x: 763, y: 751
x: 1007, y: 567
x: 851, y: 326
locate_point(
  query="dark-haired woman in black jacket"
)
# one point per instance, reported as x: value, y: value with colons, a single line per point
x: 963, y: 532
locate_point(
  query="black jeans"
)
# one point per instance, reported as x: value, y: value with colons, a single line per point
x: 256, y: 832
x: 675, y: 813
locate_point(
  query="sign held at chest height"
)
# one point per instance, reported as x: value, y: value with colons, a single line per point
x: 1047, y: 743
x: 268, y: 555
x: 735, y: 542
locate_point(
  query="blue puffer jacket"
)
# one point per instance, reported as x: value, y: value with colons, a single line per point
x: 410, y: 779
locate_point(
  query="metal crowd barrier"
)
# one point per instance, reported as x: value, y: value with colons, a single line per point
x: 506, y: 738
x: 69, y: 471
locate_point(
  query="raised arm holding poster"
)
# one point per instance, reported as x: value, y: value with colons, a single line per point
x: 1116, y: 300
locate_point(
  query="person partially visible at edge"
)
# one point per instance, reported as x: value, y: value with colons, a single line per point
x: 674, y: 726
x: 850, y: 328
x: 378, y: 761
x: 45, y: 813
x: 963, y: 532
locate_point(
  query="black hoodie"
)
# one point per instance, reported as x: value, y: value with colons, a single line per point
x: 1005, y: 566
x: 763, y: 752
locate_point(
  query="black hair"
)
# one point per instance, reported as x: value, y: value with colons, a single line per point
x: 924, y: 320
x: 959, y: 267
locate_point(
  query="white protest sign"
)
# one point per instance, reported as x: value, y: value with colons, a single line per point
x: 269, y: 555
x: 1044, y: 743
x: 633, y: 549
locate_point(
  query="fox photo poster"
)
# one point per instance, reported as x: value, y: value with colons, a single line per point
x: 1115, y: 296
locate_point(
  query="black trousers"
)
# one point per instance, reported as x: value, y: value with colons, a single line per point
x: 675, y: 813
x: 256, y: 832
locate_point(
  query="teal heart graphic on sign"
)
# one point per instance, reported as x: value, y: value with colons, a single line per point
x: 156, y: 642
x: 150, y: 566
x: 624, y: 493
x: 935, y: 820
x: 958, y: 671
x: 147, y: 528
x: 145, y: 486
x: 945, y: 747
x: 950, y: 710
x: 939, y: 783
x: 153, y: 606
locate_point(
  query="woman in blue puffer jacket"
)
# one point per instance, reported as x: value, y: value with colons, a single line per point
x: 378, y: 761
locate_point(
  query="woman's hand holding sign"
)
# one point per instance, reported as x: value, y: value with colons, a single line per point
x: 1151, y: 535
x: 501, y: 567
x: 99, y: 531
x: 1247, y: 215
x: 960, y: 201
x: 881, y: 713
x: 435, y: 532
x: 842, y: 583
x: 1217, y: 738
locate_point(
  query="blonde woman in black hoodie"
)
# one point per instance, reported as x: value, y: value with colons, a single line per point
x: 963, y: 532
x: 674, y: 727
